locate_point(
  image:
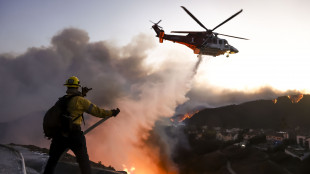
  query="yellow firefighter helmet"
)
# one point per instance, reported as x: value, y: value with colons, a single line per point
x: 73, y: 82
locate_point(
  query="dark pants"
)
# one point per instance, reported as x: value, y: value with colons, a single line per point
x: 77, y: 143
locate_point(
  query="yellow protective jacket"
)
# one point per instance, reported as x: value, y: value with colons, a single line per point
x: 78, y: 105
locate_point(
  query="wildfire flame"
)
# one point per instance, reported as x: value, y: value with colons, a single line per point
x: 188, y: 115
x: 275, y: 101
x: 129, y: 171
x: 295, y: 98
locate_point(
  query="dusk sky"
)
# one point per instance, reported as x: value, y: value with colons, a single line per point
x: 276, y: 55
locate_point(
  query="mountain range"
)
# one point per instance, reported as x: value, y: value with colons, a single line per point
x: 279, y: 114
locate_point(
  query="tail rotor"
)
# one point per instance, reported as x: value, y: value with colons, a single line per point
x: 156, y: 24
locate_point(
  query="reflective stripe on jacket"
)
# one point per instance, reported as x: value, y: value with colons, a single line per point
x: 78, y: 105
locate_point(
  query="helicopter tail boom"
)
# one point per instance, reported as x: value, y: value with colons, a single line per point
x: 160, y: 33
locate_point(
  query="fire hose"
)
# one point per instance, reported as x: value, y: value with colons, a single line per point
x: 95, y: 125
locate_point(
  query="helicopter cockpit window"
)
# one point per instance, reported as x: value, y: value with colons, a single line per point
x: 225, y: 42
x: 221, y: 42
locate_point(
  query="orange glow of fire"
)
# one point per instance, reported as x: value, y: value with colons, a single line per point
x: 188, y: 115
x: 295, y: 98
x: 275, y: 101
x: 148, y: 164
x: 129, y: 171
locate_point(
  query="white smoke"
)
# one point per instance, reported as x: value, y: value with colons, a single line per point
x: 33, y: 81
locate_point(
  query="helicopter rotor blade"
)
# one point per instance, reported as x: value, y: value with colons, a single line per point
x: 231, y: 36
x: 189, y: 13
x: 187, y: 31
x: 227, y: 20
x: 156, y: 22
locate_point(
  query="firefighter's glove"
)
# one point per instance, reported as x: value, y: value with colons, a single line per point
x: 85, y: 91
x: 115, y: 112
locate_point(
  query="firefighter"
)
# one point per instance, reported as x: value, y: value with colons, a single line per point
x: 75, y: 139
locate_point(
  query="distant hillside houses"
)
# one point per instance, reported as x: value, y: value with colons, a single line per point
x: 303, y: 141
x: 252, y: 134
x: 276, y: 137
x: 301, y: 150
x: 297, y: 152
x: 228, y: 134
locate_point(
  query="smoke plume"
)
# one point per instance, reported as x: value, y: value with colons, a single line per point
x: 32, y: 82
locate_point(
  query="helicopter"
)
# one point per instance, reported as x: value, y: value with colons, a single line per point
x: 201, y: 42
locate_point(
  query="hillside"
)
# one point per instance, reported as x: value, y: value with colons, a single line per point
x: 205, y: 154
x: 33, y: 159
x: 257, y: 114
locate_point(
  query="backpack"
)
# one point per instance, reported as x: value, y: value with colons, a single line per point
x: 57, y: 120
